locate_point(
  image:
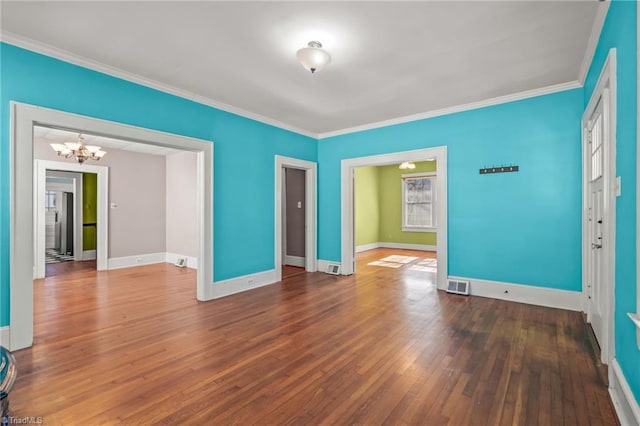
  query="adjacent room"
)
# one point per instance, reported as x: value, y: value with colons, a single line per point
x: 268, y: 212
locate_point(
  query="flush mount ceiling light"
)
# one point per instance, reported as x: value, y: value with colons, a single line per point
x: 313, y: 57
x: 407, y: 165
x: 79, y: 150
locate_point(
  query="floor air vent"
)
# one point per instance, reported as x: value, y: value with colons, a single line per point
x: 333, y: 269
x: 458, y: 287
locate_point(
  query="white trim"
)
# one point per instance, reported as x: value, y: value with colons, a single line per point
x: 322, y: 265
x: 624, y: 402
x: 367, y: 247
x: 347, y: 203
x: 294, y: 261
x: 533, y: 295
x: 88, y: 254
x: 243, y: 283
x: 596, y: 29
x: 5, y: 337
x: 102, y: 224
x: 138, y: 260
x: 192, y: 262
x: 310, y: 169
x: 421, y: 247
x: 23, y: 118
x: 458, y: 108
x: 605, y: 89
x: 72, y: 58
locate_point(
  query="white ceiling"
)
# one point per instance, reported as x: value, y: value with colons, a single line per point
x: 49, y: 135
x: 389, y: 59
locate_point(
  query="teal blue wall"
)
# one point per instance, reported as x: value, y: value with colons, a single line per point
x: 620, y: 32
x: 514, y: 227
x: 243, y: 151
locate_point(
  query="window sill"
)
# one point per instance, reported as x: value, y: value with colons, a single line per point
x: 407, y: 229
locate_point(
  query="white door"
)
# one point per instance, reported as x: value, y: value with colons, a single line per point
x: 596, y: 283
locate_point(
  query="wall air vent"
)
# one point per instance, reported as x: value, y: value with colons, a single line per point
x: 333, y: 269
x: 458, y: 287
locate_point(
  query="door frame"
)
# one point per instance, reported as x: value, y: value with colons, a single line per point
x: 310, y: 168
x: 21, y: 186
x: 77, y: 202
x: 348, y: 208
x: 40, y: 172
x: 605, y: 89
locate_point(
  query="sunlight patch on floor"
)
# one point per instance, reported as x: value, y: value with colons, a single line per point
x: 386, y: 264
x: 398, y: 261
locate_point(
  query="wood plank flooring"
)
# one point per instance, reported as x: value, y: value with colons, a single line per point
x: 133, y: 346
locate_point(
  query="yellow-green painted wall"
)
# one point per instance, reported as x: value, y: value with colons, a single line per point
x: 89, y: 210
x: 378, y: 205
x: 367, y: 216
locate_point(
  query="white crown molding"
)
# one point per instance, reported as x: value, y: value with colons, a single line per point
x: 66, y: 56
x: 458, y: 108
x: 596, y: 30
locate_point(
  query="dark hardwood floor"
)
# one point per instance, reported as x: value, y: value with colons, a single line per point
x: 289, y: 271
x: 133, y: 346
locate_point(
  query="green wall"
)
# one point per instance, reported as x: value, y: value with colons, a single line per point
x: 367, y: 214
x: 391, y: 206
x: 89, y: 211
x: 378, y: 201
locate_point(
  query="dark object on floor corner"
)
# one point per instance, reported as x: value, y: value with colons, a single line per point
x: 8, y: 373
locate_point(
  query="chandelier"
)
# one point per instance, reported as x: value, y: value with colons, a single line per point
x: 78, y: 150
x: 407, y: 165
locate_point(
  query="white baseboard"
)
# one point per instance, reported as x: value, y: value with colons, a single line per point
x: 371, y: 246
x: 5, y: 337
x: 138, y: 260
x: 422, y: 247
x: 366, y: 247
x: 541, y: 296
x: 624, y: 402
x: 192, y: 262
x: 322, y: 265
x: 88, y: 254
x: 294, y: 261
x: 243, y: 283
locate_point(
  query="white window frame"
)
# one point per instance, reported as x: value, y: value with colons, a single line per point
x: 434, y: 197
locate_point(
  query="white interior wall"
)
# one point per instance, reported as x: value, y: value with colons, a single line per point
x: 137, y: 197
x: 181, y: 200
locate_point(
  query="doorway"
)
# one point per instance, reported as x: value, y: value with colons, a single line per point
x: 308, y: 169
x: 24, y: 118
x: 63, y: 221
x: 293, y: 221
x: 96, y: 214
x: 598, y: 220
x: 348, y: 166
x: 395, y: 219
